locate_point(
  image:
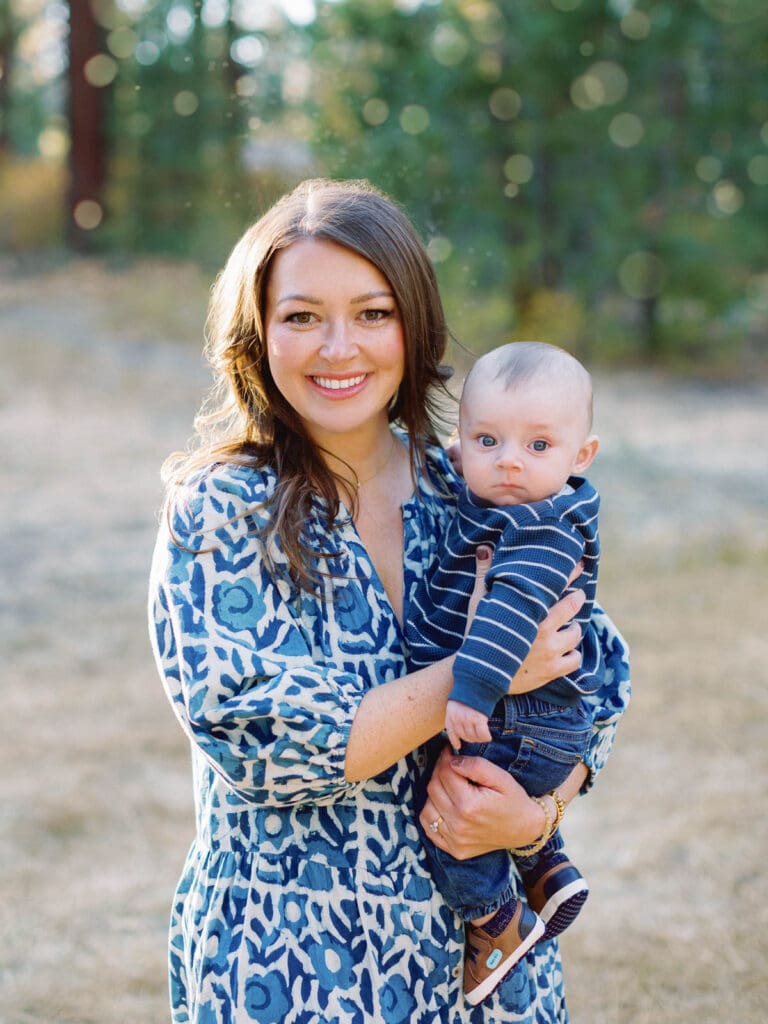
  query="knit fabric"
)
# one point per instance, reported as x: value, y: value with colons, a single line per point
x: 536, y: 547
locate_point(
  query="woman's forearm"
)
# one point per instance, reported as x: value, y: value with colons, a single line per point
x: 395, y: 718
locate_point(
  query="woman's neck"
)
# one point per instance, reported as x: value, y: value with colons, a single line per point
x: 361, y: 458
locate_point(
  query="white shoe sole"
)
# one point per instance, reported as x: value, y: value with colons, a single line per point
x: 557, y: 899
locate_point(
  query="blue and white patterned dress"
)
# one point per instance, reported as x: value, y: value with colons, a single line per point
x: 306, y: 899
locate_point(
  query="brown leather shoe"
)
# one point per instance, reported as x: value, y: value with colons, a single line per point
x: 488, y: 959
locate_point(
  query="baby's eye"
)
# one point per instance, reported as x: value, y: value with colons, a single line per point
x: 539, y: 445
x: 486, y: 441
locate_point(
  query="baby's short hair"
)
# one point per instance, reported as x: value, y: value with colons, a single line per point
x: 521, y: 361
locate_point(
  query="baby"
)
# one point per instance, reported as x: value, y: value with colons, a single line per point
x: 525, y: 425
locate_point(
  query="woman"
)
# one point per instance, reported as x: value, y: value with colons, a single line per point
x: 294, y: 539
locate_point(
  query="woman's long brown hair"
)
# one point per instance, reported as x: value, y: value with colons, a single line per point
x: 246, y: 419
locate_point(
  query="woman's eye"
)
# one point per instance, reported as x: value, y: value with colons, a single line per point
x: 486, y: 441
x: 302, y: 318
x: 374, y: 316
x: 539, y: 446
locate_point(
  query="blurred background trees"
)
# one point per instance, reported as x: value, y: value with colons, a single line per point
x: 591, y: 172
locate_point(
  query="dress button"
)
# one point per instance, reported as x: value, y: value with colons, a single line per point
x: 456, y: 971
x: 421, y: 761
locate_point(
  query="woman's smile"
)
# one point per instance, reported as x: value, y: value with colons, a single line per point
x: 339, y: 383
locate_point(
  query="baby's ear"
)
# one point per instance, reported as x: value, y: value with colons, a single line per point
x: 586, y: 453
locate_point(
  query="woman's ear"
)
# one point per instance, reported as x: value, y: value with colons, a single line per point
x: 586, y: 453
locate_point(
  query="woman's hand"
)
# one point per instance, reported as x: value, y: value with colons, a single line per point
x: 479, y: 807
x: 553, y: 653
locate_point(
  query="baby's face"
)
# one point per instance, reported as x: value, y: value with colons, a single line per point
x: 521, y: 444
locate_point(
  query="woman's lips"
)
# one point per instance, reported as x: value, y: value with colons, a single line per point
x: 338, y: 383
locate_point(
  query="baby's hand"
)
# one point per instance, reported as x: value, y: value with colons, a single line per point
x: 465, y: 723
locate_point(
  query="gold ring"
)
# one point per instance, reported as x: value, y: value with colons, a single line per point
x: 435, y: 825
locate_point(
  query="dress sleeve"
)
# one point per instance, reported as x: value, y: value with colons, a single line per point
x: 235, y: 660
x: 611, y: 700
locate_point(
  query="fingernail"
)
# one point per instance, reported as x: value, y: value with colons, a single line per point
x: 483, y: 553
x: 457, y: 761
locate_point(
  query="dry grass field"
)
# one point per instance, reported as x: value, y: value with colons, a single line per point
x: 100, y: 379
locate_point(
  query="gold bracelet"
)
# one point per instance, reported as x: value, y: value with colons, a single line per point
x: 559, y: 810
x: 538, y: 844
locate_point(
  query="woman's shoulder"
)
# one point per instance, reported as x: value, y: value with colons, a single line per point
x: 220, y: 493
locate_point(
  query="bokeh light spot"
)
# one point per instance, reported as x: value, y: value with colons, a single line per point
x: 122, y: 42
x: 449, y: 47
x: 214, y: 13
x: 53, y: 143
x: 180, y: 23
x: 375, y: 111
x: 709, y: 168
x: 518, y: 169
x: 635, y: 24
x: 299, y: 12
x: 147, y: 52
x: 100, y: 70
x: 641, y: 275
x: 439, y: 249
x: 757, y: 169
x: 185, y: 103
x: 246, y: 86
x: 726, y: 198
x: 248, y: 51
x: 626, y: 130
x: 414, y: 119
x: 490, y: 65
x: 88, y: 214
x: 505, y: 104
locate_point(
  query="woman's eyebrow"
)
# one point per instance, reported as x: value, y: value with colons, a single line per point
x: 312, y: 301
x: 296, y: 297
x: 381, y: 293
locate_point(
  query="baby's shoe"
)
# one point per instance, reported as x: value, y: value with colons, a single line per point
x: 557, y: 895
x: 490, y: 957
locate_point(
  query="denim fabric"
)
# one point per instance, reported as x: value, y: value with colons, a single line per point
x: 538, y: 743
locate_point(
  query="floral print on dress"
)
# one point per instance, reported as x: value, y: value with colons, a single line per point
x: 306, y: 898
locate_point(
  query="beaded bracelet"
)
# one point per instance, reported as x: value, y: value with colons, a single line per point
x: 559, y: 808
x: 549, y: 827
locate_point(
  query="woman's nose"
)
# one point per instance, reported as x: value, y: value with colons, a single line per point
x: 339, y: 341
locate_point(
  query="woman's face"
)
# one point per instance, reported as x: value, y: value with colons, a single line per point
x: 334, y: 339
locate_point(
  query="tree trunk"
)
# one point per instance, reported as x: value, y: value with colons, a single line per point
x: 87, y: 161
x: 6, y: 55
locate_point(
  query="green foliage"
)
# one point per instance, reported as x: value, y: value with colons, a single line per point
x: 592, y: 171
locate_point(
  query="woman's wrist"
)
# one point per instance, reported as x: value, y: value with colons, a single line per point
x: 552, y: 807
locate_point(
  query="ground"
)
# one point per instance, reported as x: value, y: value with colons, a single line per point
x: 101, y: 379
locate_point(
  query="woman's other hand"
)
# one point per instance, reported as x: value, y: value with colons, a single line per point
x: 479, y: 806
x: 554, y: 652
